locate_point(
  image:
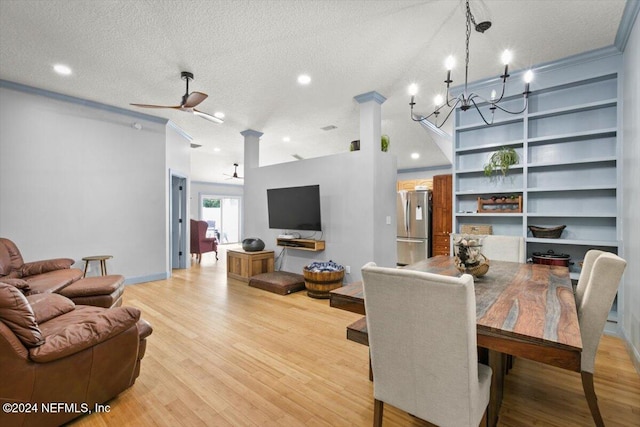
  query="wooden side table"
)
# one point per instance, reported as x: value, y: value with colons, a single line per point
x: 103, y: 263
x: 242, y: 265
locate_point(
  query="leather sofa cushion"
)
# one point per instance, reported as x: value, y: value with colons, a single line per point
x: 17, y: 314
x: 52, y: 281
x: 18, y: 283
x: 10, y: 259
x: 39, y: 267
x: 82, y: 328
x: 47, y: 306
x: 92, y: 286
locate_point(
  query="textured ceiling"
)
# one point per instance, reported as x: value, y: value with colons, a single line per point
x: 246, y: 55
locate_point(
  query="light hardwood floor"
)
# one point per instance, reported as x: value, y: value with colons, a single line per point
x: 225, y: 354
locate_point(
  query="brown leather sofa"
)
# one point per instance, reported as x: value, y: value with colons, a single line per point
x: 56, y: 275
x: 58, y: 360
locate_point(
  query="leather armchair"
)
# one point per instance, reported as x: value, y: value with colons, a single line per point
x: 200, y: 243
x: 53, y: 351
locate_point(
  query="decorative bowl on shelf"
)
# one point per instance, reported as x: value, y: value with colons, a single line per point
x: 547, y: 232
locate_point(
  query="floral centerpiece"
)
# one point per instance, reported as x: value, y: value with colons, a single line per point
x: 468, y: 256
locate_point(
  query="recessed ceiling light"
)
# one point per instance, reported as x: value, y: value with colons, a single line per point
x: 286, y: 139
x: 62, y: 69
x: 216, y: 149
x: 415, y: 155
x: 219, y: 114
x: 304, y: 79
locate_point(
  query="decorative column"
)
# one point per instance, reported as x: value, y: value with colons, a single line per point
x: 370, y: 118
x: 251, y: 148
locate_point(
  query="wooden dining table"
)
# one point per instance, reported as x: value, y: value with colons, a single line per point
x: 523, y: 310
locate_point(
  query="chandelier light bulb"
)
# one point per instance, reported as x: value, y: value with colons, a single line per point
x: 506, y: 57
x: 528, y: 76
x: 493, y: 95
x: 438, y: 100
x: 449, y: 63
x: 413, y: 89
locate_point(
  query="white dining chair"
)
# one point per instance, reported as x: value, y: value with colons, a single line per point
x: 504, y: 248
x: 585, y: 274
x: 422, y: 342
x: 594, y: 303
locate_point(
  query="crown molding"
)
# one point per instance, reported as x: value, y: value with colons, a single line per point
x: 79, y: 101
x: 629, y: 16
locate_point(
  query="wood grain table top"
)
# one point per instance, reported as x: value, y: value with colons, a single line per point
x: 527, y: 310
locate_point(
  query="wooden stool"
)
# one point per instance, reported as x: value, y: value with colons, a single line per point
x: 103, y: 263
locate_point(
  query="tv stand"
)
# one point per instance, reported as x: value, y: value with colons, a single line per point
x: 301, y: 244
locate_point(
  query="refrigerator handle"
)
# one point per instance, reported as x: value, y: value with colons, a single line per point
x: 407, y: 215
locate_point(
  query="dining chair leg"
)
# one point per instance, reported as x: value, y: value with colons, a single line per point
x: 592, y: 400
x: 378, y: 408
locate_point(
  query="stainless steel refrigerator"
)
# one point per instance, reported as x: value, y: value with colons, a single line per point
x: 414, y: 226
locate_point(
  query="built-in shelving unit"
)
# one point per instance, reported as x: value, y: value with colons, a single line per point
x: 302, y: 244
x: 567, y: 141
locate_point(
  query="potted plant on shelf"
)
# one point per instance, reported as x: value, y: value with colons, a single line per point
x: 501, y: 160
x: 384, y: 144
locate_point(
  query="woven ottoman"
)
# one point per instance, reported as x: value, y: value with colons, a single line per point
x: 99, y: 291
x: 278, y: 282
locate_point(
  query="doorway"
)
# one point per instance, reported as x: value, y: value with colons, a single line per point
x: 222, y: 214
x: 178, y: 223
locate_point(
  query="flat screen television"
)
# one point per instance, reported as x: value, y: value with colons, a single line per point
x: 294, y: 208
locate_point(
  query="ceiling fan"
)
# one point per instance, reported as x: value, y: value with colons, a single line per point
x: 189, y: 101
x: 235, y: 173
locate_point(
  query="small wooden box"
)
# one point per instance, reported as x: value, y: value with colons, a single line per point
x: 500, y: 205
x: 242, y: 265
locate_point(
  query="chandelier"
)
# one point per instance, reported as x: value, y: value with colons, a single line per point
x: 467, y: 100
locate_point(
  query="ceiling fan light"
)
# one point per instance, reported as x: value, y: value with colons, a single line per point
x: 208, y: 117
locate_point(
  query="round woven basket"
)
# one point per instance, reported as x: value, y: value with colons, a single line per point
x: 320, y: 283
x: 476, y: 271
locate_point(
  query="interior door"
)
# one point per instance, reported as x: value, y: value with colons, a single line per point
x: 442, y: 214
x: 178, y: 223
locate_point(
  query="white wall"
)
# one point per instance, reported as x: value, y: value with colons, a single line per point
x: 631, y: 191
x: 353, y: 217
x: 77, y: 180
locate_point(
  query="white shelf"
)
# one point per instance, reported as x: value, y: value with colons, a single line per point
x: 574, y: 109
x: 570, y: 215
x: 476, y: 214
x: 609, y: 243
x: 480, y: 193
x: 572, y: 188
x: 572, y: 162
x: 497, y: 173
x: 510, y: 120
x: 599, y: 133
x: 491, y: 146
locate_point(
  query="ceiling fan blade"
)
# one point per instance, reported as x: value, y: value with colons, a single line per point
x: 177, y: 107
x: 207, y: 116
x: 194, y: 99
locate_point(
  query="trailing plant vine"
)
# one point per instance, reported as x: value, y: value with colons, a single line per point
x: 501, y: 160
